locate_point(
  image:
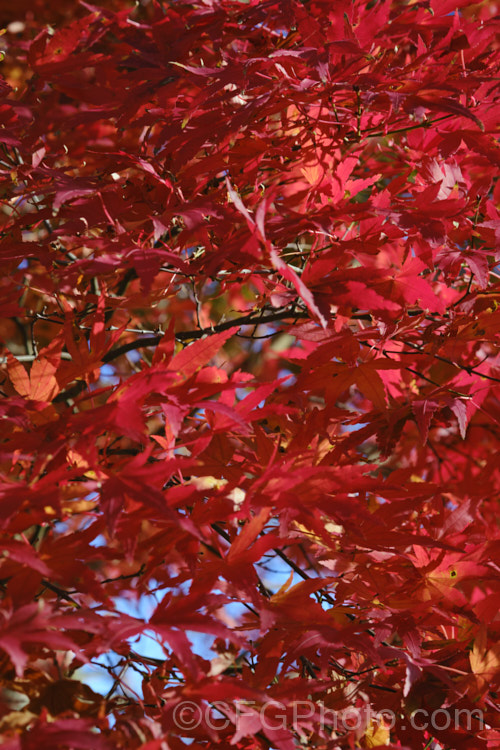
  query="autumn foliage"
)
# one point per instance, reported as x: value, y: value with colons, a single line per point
x: 250, y: 374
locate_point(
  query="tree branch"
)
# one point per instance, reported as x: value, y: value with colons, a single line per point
x: 246, y: 320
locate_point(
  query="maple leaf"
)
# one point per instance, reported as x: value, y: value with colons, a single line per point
x: 186, y: 362
x: 31, y: 624
x: 41, y: 384
x: 484, y: 661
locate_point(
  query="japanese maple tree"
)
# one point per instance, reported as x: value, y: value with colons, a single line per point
x: 250, y: 374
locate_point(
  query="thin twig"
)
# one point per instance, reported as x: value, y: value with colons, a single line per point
x: 61, y: 593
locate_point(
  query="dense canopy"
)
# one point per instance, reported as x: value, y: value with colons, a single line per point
x: 250, y: 374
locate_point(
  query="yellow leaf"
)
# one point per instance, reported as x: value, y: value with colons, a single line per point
x: 76, y: 460
x: 330, y: 527
x: 483, y: 661
x: 207, y: 483
x: 378, y: 733
x: 312, y: 174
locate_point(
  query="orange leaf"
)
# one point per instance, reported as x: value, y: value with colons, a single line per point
x: 18, y: 375
x: 43, y: 383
